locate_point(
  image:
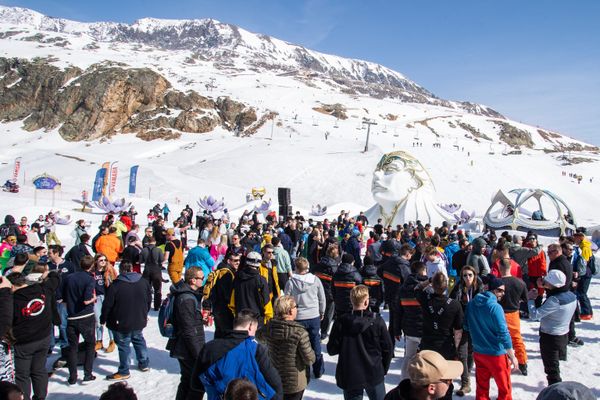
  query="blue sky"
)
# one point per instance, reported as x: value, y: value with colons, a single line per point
x: 534, y: 61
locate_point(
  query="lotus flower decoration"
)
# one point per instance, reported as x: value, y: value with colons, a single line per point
x: 116, y: 206
x: 318, y: 210
x: 464, y: 217
x: 209, y: 203
x: 263, y: 207
x: 450, y: 208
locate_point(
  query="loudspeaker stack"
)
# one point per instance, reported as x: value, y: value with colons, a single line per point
x: 284, y: 196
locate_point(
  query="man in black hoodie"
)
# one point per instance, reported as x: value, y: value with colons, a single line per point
x: 9, y: 227
x: 32, y: 320
x: 125, y: 312
x: 345, y: 278
x: 364, y: 346
x: 324, y: 270
x: 78, y: 293
x: 408, y: 316
x: 250, y: 289
x: 189, y: 330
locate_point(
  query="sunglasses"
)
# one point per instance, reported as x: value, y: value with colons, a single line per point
x: 499, y: 290
x: 199, y: 277
x: 102, y: 260
x: 468, y: 275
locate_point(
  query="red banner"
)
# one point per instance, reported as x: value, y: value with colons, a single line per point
x: 114, y: 170
x: 16, y: 169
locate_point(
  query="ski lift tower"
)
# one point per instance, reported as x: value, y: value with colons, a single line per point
x: 368, y: 122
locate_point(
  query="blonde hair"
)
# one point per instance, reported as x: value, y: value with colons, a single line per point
x: 284, y: 306
x: 301, y: 264
x: 358, y: 295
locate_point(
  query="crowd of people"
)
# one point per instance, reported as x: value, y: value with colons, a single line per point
x: 275, y: 288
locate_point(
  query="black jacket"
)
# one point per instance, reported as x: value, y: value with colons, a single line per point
x: 189, y: 328
x: 132, y: 254
x: 441, y: 317
x: 152, y: 257
x: 393, y: 270
x: 561, y: 263
x: 250, y: 290
x: 324, y: 270
x: 6, y: 310
x: 345, y: 278
x: 9, y: 227
x: 459, y: 259
x: 408, y: 317
x: 76, y: 288
x: 220, y: 295
x: 401, y: 392
x: 375, y: 285
x: 365, y: 349
x: 462, y: 295
x: 32, y: 315
x: 126, y: 304
x: 216, y: 349
x: 76, y: 254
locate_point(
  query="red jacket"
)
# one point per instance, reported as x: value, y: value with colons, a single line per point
x: 515, y: 269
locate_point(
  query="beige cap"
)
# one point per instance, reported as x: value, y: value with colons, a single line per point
x: 428, y: 367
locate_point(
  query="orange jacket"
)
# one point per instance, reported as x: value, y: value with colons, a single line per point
x: 537, y: 266
x: 110, y: 246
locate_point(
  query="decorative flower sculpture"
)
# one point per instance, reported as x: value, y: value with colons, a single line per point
x: 451, y: 208
x: 116, y: 206
x: 211, y: 204
x: 263, y: 207
x: 318, y: 210
x: 464, y: 217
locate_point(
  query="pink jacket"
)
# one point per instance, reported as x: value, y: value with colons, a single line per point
x: 218, y: 250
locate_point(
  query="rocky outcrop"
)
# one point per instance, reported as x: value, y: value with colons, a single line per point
x: 336, y: 110
x: 106, y: 99
x: 514, y: 136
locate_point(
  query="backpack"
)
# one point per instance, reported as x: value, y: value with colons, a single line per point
x: 166, y: 324
x: 212, y: 279
x: 239, y: 362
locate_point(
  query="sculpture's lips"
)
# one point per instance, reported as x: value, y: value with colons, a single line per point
x: 376, y: 187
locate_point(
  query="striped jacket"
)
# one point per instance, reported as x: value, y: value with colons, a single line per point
x: 345, y: 278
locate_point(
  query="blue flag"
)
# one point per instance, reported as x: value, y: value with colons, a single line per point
x: 98, y: 184
x: 133, y: 178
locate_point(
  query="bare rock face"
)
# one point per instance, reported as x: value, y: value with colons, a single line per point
x: 514, y: 136
x: 107, y: 99
x: 103, y: 100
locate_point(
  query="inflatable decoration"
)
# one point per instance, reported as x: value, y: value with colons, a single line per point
x: 66, y: 220
x: 404, y: 192
x: 116, y: 206
x: 516, y: 214
x: 451, y: 208
x: 464, y: 217
x: 211, y: 204
x: 46, y: 182
x: 318, y: 210
x: 256, y: 194
x: 263, y: 207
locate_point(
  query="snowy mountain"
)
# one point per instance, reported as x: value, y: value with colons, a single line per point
x: 211, y: 40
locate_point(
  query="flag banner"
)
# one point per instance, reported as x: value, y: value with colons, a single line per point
x: 16, y: 169
x: 106, y: 167
x: 98, y: 184
x: 114, y: 170
x: 133, y: 178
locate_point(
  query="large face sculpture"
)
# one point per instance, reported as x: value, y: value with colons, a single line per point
x: 397, y: 174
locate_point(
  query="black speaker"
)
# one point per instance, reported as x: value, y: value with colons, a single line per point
x: 285, y: 210
x: 284, y: 196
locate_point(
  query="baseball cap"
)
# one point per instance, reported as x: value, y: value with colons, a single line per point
x: 556, y: 278
x: 253, y: 259
x: 428, y: 367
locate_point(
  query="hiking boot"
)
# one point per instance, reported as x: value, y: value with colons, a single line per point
x: 464, y: 389
x: 89, y: 378
x: 523, y: 369
x: 587, y: 317
x: 98, y: 345
x: 576, y: 342
x: 72, y: 380
x: 143, y: 368
x: 59, y: 363
x: 111, y: 347
x: 117, y: 377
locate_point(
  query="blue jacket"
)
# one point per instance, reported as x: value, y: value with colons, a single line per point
x: 486, y: 323
x: 449, y: 251
x: 200, y: 257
